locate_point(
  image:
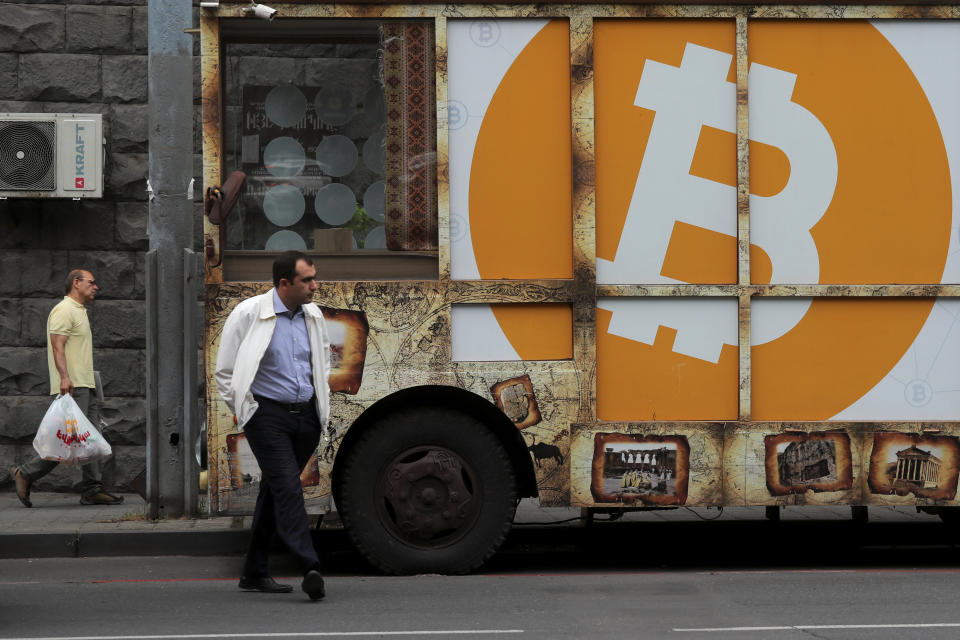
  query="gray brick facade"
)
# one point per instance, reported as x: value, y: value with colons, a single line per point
x: 77, y: 57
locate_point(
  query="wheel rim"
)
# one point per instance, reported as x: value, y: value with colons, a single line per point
x: 428, y: 496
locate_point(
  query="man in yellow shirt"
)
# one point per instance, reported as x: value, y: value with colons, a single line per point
x: 70, y: 361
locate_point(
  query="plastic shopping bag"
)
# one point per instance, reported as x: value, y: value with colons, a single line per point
x: 67, y: 436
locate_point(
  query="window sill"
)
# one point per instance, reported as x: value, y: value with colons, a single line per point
x: 256, y: 266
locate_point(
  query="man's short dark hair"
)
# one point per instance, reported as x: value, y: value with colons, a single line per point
x: 73, y: 275
x: 285, y: 266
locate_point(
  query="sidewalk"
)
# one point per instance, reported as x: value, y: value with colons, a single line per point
x: 59, y: 526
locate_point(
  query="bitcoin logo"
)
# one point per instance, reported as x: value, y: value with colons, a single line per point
x: 843, y: 143
x: 457, y: 115
x: 918, y: 393
x: 485, y: 33
x: 685, y: 100
x: 458, y: 227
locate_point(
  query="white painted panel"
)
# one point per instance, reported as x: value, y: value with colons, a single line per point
x: 703, y: 325
x: 931, y: 48
x: 479, y: 54
x: 925, y: 383
x: 476, y: 335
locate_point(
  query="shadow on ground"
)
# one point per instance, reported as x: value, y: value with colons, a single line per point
x: 703, y: 546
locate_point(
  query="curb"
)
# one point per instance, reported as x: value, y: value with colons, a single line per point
x: 81, y: 544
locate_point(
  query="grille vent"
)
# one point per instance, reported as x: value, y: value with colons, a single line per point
x: 27, y: 154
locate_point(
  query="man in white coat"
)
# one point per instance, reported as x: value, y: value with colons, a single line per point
x: 272, y: 370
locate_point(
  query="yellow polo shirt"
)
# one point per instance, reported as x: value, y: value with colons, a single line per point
x: 69, y: 318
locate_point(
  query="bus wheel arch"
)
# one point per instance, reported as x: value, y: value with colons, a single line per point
x: 455, y: 399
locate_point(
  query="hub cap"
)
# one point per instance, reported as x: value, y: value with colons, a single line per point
x: 428, y: 496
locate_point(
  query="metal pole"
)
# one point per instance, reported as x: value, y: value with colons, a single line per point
x: 170, y: 81
x: 191, y: 425
x: 150, y: 266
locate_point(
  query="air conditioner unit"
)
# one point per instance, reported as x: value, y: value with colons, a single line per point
x: 51, y: 155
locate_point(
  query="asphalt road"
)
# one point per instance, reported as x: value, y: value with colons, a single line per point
x: 753, y: 580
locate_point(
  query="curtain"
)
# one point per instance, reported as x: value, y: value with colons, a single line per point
x: 411, y: 136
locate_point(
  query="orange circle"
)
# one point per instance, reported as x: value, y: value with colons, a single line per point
x: 889, y: 220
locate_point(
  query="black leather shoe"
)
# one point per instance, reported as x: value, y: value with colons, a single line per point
x: 313, y: 585
x: 265, y: 584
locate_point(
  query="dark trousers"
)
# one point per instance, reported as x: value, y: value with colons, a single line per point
x: 92, y: 482
x: 282, y: 443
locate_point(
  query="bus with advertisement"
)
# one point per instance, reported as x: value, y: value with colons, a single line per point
x: 609, y: 256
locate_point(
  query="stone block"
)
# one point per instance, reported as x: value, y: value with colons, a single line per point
x: 118, y: 324
x: 11, y: 264
x: 131, y: 226
x: 20, y: 224
x: 367, y: 50
x: 69, y: 77
x: 125, y: 78
x: 356, y: 76
x: 17, y: 106
x: 284, y: 50
x: 85, y: 224
x: 128, y: 130
x: 117, y: 471
x: 127, y: 176
x: 120, y: 469
x: 113, y: 271
x: 8, y: 458
x: 140, y: 277
x: 43, y: 273
x: 29, y: 27
x: 23, y: 371
x: 8, y: 76
x: 33, y: 325
x: 73, y: 107
x: 257, y: 70
x: 63, y: 478
x: 123, y: 371
x: 23, y: 417
x: 102, y: 29
x: 138, y: 36
x: 10, y: 314
x: 126, y: 421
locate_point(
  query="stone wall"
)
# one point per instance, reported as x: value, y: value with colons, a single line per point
x: 86, y: 57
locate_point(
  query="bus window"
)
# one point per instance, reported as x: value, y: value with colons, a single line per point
x: 330, y: 168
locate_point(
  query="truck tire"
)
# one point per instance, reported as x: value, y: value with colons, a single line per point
x: 427, y: 490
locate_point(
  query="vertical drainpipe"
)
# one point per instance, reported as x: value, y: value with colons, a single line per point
x: 170, y: 82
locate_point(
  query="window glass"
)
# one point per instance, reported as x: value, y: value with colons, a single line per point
x: 306, y: 121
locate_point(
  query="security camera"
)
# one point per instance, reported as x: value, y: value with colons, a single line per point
x: 261, y: 11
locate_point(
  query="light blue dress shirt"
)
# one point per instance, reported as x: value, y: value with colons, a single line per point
x: 285, y: 374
